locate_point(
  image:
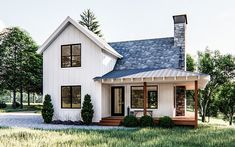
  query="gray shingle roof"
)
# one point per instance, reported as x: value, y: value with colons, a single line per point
x: 157, y: 53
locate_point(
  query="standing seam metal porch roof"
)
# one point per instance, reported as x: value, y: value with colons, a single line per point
x: 203, y: 79
x: 164, y: 73
x: 149, y: 73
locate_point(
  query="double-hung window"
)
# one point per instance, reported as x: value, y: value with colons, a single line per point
x: 71, y: 55
x: 70, y: 96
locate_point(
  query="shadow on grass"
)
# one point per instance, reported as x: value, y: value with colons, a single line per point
x: 36, y: 108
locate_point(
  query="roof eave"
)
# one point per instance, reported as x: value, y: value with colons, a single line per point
x: 88, y: 33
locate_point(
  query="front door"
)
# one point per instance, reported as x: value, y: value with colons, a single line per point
x: 117, y: 101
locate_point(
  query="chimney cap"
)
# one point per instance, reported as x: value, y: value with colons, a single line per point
x: 180, y: 19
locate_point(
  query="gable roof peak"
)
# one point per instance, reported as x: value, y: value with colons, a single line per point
x: 96, y: 39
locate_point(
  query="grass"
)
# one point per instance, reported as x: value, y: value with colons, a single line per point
x: 205, y: 135
x: 33, y: 107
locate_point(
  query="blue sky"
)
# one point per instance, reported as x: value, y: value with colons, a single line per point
x: 210, y: 22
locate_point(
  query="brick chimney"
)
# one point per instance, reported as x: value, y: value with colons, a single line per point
x: 180, y: 23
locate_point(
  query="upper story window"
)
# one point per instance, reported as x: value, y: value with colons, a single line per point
x: 71, y: 55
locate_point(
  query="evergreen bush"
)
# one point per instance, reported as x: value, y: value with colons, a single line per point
x: 146, y: 121
x: 17, y: 105
x: 130, y: 121
x: 2, y: 105
x: 87, y: 110
x: 47, y: 109
x: 166, y: 122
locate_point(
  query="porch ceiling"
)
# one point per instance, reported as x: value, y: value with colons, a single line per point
x: 175, y: 76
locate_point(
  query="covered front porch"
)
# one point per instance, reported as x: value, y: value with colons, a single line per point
x: 156, y: 93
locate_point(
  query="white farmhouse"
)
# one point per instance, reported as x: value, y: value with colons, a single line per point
x: 140, y: 77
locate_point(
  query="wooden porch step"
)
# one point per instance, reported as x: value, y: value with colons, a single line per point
x: 184, y: 122
x: 111, y: 121
x: 113, y: 118
x: 116, y: 121
x: 109, y: 124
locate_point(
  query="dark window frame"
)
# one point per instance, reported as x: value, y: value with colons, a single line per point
x: 147, y: 96
x: 71, y: 97
x: 71, y: 55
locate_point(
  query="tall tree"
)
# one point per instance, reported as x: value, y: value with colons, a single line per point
x: 226, y: 102
x: 190, y: 64
x: 89, y: 21
x: 33, y: 69
x: 18, y: 47
x: 221, y: 69
x: 10, y: 60
x: 2, y: 54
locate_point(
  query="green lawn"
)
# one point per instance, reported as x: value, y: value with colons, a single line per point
x: 179, y: 136
x: 33, y: 107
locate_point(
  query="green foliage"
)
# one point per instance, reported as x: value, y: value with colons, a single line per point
x: 87, y: 110
x: 20, y: 65
x: 89, y: 21
x: 190, y: 64
x: 2, y: 105
x: 166, y: 122
x: 130, y: 121
x: 47, y: 109
x: 221, y: 69
x: 146, y: 121
x: 34, y: 108
x: 226, y: 102
x: 213, y: 109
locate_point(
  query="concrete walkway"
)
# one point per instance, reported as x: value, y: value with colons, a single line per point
x: 34, y: 120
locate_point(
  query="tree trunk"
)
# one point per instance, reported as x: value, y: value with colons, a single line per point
x: 33, y: 98
x: 203, y: 117
x: 28, y: 98
x: 204, y: 110
x: 14, y: 99
x: 230, y: 119
x: 204, y: 113
x: 21, y: 97
x: 209, y: 114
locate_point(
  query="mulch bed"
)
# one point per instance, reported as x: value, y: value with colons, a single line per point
x: 69, y: 122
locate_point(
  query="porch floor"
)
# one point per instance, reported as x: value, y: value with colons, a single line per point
x: 178, y: 120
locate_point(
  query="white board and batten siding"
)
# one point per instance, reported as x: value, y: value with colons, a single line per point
x: 94, y: 62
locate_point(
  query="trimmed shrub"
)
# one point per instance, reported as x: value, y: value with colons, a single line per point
x: 146, y: 121
x: 87, y: 110
x: 166, y: 122
x: 47, y: 109
x: 130, y: 121
x: 17, y: 105
x: 2, y: 105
